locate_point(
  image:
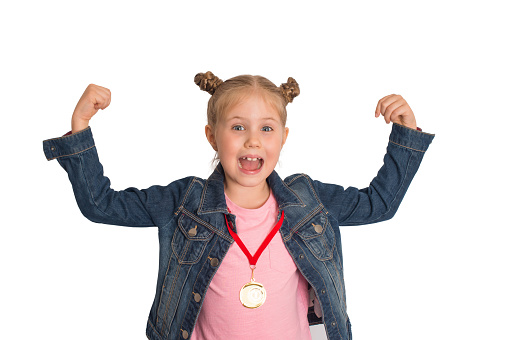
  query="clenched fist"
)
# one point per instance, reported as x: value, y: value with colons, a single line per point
x: 395, y: 109
x: 94, y: 98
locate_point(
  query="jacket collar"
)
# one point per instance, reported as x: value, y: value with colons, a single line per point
x: 213, y: 197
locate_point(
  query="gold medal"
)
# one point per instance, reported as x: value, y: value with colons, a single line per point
x: 252, y: 294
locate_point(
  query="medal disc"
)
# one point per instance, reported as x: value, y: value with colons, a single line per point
x: 252, y: 295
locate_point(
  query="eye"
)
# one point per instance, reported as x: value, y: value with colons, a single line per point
x: 267, y: 128
x: 238, y: 128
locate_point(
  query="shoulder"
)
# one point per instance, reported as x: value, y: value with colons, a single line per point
x: 299, y: 178
x: 185, y: 184
x: 177, y: 189
x: 302, y: 184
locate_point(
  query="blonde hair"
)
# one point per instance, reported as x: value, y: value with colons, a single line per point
x: 226, y: 94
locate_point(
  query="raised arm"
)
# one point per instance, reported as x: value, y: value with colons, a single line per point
x: 381, y: 199
x: 77, y: 154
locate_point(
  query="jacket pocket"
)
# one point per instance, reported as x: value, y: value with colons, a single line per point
x: 318, y: 236
x: 189, y: 240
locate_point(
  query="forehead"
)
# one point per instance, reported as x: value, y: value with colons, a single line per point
x: 252, y: 107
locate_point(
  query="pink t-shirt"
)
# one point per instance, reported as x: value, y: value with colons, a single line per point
x: 284, y: 314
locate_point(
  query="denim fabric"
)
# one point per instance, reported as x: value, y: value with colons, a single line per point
x: 188, y: 260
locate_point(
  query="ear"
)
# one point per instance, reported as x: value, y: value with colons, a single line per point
x: 284, y: 138
x: 211, y: 137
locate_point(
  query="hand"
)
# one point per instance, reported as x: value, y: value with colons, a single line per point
x: 94, y: 98
x: 395, y: 109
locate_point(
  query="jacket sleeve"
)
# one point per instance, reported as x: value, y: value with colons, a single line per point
x: 77, y: 154
x: 379, y: 201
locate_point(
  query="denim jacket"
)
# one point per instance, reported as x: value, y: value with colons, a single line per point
x: 190, y: 215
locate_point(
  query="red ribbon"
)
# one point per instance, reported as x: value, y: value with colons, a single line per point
x: 253, y: 259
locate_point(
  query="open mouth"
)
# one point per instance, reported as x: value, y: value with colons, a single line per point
x: 250, y: 164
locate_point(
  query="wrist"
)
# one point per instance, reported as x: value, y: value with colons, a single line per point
x: 78, y: 125
x: 413, y: 127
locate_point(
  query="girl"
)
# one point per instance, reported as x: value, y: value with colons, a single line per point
x: 244, y: 254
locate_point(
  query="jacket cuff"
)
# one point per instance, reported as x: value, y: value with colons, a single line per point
x: 68, y: 144
x: 410, y: 138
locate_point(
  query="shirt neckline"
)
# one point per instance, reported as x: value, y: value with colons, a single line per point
x: 236, y: 209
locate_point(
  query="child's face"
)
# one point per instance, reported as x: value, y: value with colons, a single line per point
x: 248, y: 138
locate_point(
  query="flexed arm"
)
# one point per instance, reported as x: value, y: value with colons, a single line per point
x: 381, y: 199
x: 77, y: 154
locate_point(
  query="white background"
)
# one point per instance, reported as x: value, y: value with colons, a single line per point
x: 435, y: 271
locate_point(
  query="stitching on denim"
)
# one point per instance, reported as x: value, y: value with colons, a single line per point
x: 326, y: 242
x: 180, y: 205
x: 188, y: 243
x: 305, y: 219
x: 406, y: 127
x: 310, y: 183
x: 295, y: 178
x: 170, y: 220
x: 406, y: 146
x: 390, y: 203
x: 299, y: 198
x: 71, y: 135
x: 183, y: 252
x: 334, y: 283
x: 96, y: 204
x: 342, y: 281
x: 185, y: 196
x: 163, y: 284
x: 168, y: 302
x: 203, y: 195
x: 152, y: 327
x: 207, y: 238
x: 164, y: 322
x: 317, y: 295
x: 206, y: 224
x: 323, y: 242
x: 88, y: 183
x: 200, y: 210
x: 203, y: 293
x: 204, y: 212
x: 399, y: 189
x: 72, y: 154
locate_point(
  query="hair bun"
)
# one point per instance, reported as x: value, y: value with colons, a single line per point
x: 290, y: 90
x: 207, y: 82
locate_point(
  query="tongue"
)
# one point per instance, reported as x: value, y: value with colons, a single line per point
x: 250, y: 165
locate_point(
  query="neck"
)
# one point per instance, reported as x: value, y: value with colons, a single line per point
x: 248, y: 197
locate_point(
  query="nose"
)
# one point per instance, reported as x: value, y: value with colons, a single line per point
x: 253, y: 140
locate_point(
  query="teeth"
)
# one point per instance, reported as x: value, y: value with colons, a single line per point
x: 251, y: 159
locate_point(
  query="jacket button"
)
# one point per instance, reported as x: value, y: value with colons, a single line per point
x: 301, y: 256
x: 214, y: 262
x: 318, y: 228
x: 197, y: 297
x: 333, y: 323
x: 323, y: 291
x: 53, y: 148
x: 184, y: 334
x: 192, y: 232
